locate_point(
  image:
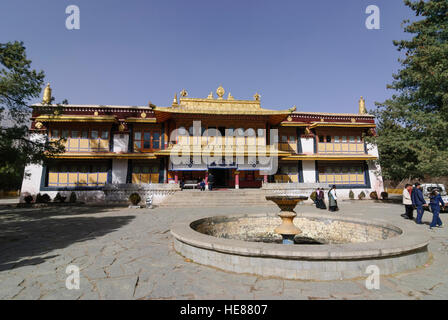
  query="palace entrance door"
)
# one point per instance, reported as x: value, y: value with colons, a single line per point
x: 222, y: 177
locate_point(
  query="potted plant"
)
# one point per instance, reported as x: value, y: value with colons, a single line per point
x: 28, y: 199
x: 135, y: 199
x: 362, y: 195
x: 351, y: 195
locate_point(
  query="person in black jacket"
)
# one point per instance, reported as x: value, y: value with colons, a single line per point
x: 211, y: 181
x: 419, y: 201
x: 435, y: 202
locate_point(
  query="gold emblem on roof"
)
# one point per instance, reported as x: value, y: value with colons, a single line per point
x: 230, y: 97
x: 210, y: 96
x: 47, y: 95
x: 220, y: 92
x: 39, y: 125
x: 257, y: 97
x: 184, y: 93
x: 143, y: 115
x: 362, y: 106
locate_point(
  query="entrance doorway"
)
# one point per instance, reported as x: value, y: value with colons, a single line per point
x: 221, y: 176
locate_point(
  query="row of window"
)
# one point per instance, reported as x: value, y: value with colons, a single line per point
x: 340, y: 139
x: 86, y: 133
x: 74, y: 174
x: 348, y: 175
x: 147, y: 140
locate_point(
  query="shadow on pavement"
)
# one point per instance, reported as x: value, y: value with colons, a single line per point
x: 26, y: 234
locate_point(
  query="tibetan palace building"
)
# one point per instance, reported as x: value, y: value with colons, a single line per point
x: 236, y: 142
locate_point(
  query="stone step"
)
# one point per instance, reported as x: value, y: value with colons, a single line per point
x: 218, y: 198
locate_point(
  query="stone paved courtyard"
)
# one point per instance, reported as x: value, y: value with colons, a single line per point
x: 128, y: 254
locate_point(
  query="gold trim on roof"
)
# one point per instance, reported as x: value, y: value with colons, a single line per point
x: 142, y: 120
x: 330, y: 157
x: 343, y: 124
x: 104, y: 155
x: 74, y: 118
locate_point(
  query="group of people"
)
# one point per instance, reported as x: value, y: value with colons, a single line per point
x: 413, y: 199
x: 332, y: 199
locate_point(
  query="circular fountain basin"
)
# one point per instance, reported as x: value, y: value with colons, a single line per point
x: 331, y: 247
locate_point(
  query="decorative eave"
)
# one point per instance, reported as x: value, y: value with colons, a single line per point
x: 75, y: 118
x: 342, y: 124
x: 330, y: 157
x: 235, y: 152
x: 104, y: 155
x: 141, y: 120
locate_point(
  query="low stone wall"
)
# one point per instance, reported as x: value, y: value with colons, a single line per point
x: 307, y: 188
x: 119, y: 193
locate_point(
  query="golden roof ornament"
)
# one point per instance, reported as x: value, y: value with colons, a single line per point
x: 184, y: 93
x: 230, y: 97
x: 143, y: 115
x: 38, y: 125
x: 95, y: 113
x: 257, y: 97
x: 47, y: 95
x: 220, y: 92
x: 362, y: 106
x: 210, y: 96
x: 294, y: 108
x: 175, y: 104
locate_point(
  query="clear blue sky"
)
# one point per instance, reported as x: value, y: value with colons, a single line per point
x: 315, y: 54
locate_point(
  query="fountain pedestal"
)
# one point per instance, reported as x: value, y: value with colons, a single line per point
x: 287, y: 204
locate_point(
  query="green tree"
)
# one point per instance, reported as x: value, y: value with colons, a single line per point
x: 413, y: 124
x: 18, y: 85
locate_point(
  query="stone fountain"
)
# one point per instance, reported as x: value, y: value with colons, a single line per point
x: 328, y: 246
x: 287, y: 204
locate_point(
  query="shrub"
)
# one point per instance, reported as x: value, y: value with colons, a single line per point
x: 135, y: 199
x: 362, y: 195
x: 384, y: 195
x: 351, y: 195
x: 313, y: 196
x: 28, y: 199
x: 45, y: 198
x: 72, y: 197
x: 374, y: 195
x: 59, y: 198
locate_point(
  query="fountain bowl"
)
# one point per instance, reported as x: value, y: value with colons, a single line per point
x: 348, y: 246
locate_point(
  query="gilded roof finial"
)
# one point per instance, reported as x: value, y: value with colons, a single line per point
x: 47, y: 95
x: 210, y: 96
x: 175, y: 104
x: 220, y: 92
x: 230, y: 97
x: 257, y: 97
x: 362, y: 106
x: 183, y: 93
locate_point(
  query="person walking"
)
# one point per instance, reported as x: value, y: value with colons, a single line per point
x: 418, y: 201
x: 407, y: 201
x: 434, y: 201
x: 211, y: 181
x: 316, y: 200
x: 321, y: 198
x: 332, y: 199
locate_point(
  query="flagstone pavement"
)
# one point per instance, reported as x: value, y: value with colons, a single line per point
x: 127, y: 253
